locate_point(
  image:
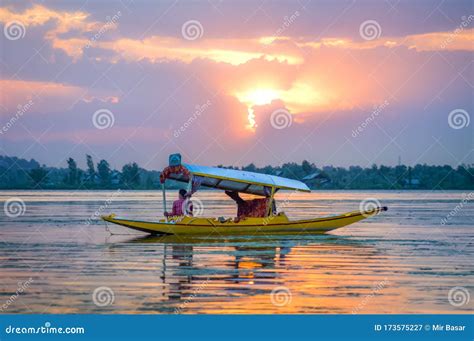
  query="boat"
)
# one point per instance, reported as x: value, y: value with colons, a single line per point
x: 238, y: 181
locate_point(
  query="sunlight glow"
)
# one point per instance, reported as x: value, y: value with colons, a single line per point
x: 251, y: 98
x: 258, y: 96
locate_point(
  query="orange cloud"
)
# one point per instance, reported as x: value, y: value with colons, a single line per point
x: 65, y: 22
x: 235, y: 52
x: 45, y: 96
x: 300, y: 73
x: 157, y: 49
x: 460, y: 39
x: 39, y: 15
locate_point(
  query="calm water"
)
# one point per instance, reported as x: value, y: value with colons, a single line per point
x: 54, y: 256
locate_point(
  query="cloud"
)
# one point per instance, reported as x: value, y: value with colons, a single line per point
x: 47, y: 96
x: 154, y: 82
x: 62, y: 23
x: 459, y: 39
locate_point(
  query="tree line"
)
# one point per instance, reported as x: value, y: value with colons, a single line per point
x: 22, y: 174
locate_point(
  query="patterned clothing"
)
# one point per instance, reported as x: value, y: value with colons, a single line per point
x: 249, y: 208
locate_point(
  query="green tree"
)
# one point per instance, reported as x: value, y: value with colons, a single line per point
x: 131, y: 175
x: 90, y: 169
x: 307, y: 167
x: 73, y: 172
x: 38, y: 176
x: 250, y: 168
x: 103, y: 168
x: 149, y: 182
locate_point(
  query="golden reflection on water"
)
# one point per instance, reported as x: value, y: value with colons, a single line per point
x: 387, y: 265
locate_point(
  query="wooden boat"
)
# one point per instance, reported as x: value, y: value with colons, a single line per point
x: 263, y: 185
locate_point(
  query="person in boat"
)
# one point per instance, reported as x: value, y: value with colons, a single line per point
x: 182, y: 206
x: 250, y: 208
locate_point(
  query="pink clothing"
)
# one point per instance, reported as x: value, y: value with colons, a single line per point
x: 179, y: 208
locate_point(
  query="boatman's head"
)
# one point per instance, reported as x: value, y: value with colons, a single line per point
x: 182, y: 193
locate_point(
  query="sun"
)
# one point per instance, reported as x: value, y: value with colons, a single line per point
x: 258, y: 96
x: 253, y: 97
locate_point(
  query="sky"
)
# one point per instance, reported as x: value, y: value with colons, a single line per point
x: 222, y: 82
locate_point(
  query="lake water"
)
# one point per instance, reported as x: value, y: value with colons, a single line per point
x: 417, y: 257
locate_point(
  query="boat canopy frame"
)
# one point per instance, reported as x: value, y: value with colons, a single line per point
x: 227, y: 179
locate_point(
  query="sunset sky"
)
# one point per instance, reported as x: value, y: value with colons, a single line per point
x: 224, y: 82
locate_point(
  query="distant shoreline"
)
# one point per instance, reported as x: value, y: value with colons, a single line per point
x: 21, y: 174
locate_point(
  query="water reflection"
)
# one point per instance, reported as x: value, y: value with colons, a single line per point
x: 207, y: 274
x: 393, y: 263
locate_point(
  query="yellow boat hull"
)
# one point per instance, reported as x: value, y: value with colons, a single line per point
x: 279, y: 224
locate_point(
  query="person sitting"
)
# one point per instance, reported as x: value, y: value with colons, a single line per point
x: 249, y: 208
x: 182, y: 206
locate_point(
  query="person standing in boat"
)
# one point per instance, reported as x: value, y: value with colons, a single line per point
x: 182, y: 206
